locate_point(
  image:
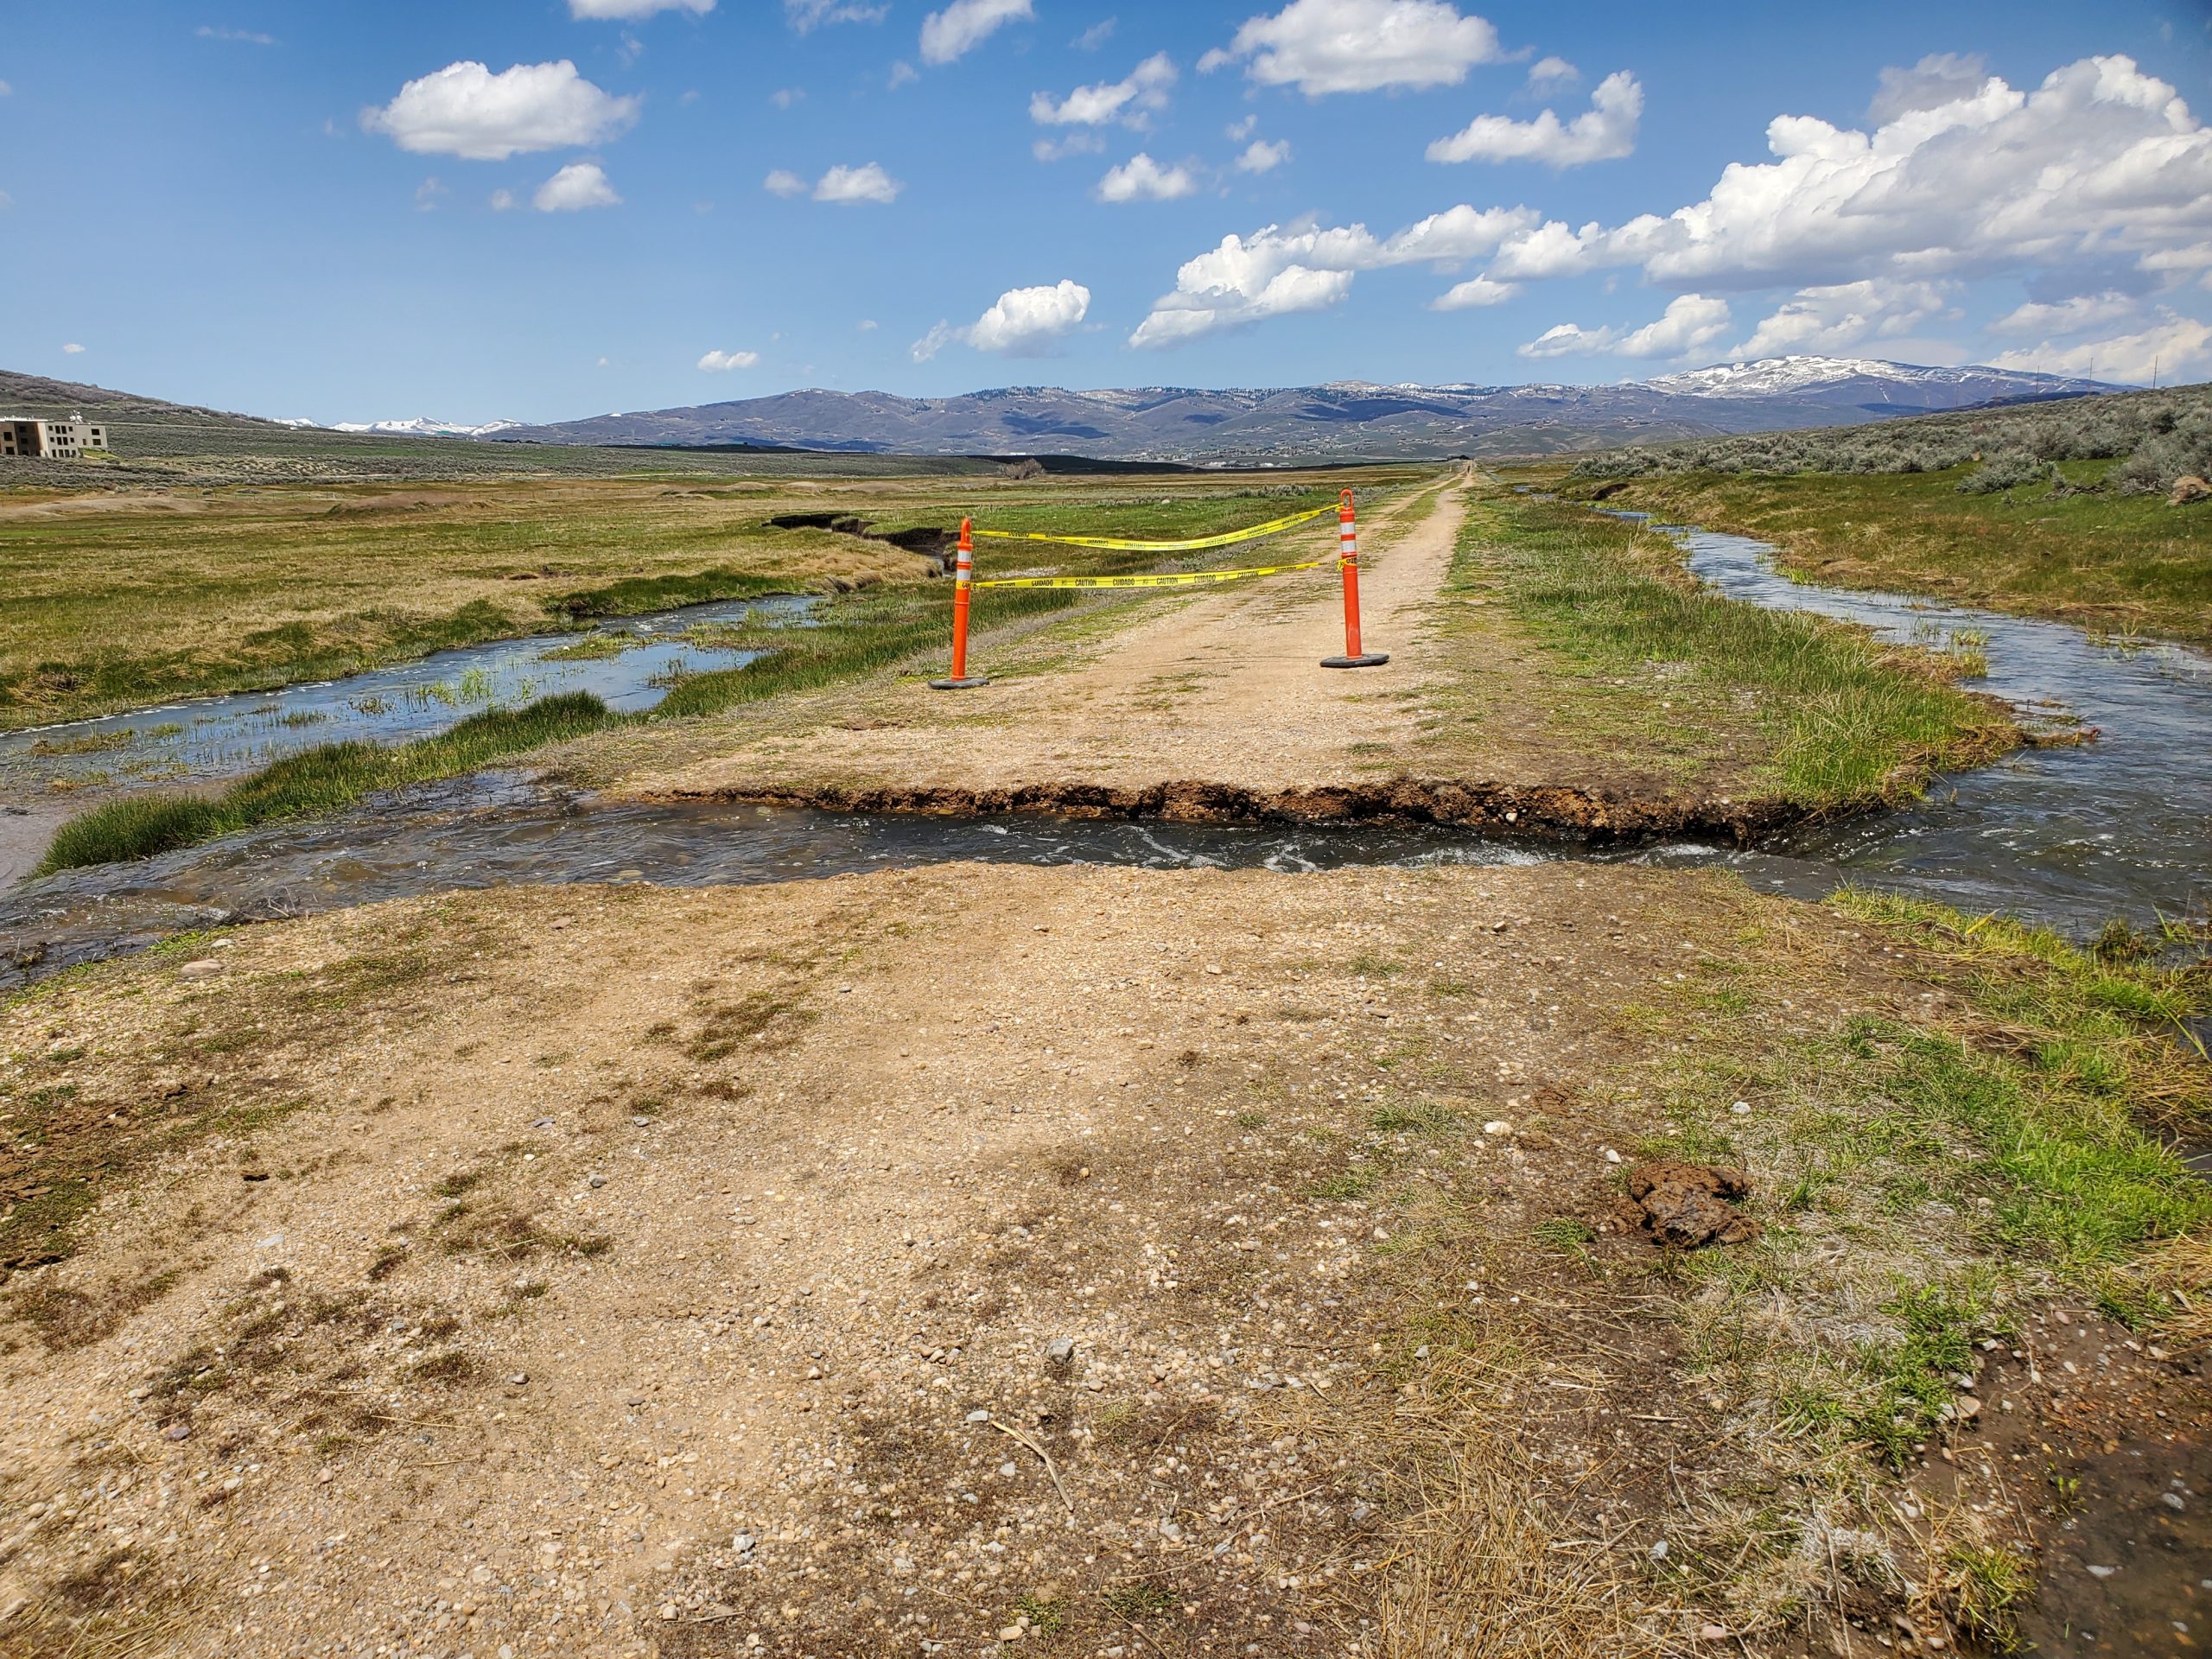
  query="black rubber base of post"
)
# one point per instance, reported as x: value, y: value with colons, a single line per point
x: 1370, y: 660
x: 959, y: 685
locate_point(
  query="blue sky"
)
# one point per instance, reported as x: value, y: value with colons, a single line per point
x: 552, y: 208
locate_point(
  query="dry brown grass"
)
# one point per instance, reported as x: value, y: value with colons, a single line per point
x: 1483, y: 1565
x: 1482, y: 1570
x: 2181, y: 1272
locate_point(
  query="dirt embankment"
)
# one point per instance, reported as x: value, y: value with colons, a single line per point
x: 1077, y: 1261
x: 1534, y: 812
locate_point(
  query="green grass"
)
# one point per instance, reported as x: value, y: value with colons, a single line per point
x: 2121, y: 563
x: 320, y: 780
x: 1833, y: 719
x: 1950, y: 1172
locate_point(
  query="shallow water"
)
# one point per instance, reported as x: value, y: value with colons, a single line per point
x: 498, y: 827
x: 208, y: 738
x: 2119, y: 826
x: 2069, y: 836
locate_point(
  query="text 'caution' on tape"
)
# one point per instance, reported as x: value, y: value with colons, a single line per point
x: 1228, y: 538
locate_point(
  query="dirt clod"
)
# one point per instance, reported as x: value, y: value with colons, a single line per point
x: 1686, y: 1204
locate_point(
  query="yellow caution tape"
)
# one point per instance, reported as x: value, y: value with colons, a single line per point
x: 1228, y: 539
x: 1176, y: 579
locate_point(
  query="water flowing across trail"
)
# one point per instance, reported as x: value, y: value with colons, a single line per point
x: 2071, y: 837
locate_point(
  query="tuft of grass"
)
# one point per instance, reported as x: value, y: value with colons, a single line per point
x: 1564, y: 1233
x: 1426, y: 1117
x: 324, y: 779
x: 1983, y: 1588
x: 1914, y: 1374
x: 1134, y: 1601
x: 1045, y: 1617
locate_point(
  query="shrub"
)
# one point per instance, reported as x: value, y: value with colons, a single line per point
x: 2003, y: 471
x: 2155, y: 435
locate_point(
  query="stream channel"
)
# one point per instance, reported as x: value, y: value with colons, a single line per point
x: 2070, y: 836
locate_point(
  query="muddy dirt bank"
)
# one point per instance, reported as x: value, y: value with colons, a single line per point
x: 1534, y: 812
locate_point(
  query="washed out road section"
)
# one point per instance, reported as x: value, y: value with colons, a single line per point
x: 1223, y: 692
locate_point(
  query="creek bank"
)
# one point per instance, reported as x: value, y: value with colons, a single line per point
x: 1528, y: 811
x: 934, y: 545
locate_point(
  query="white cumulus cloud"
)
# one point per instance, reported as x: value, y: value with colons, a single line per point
x: 1690, y: 323
x: 1546, y: 72
x: 574, y: 188
x: 1360, y: 46
x: 1836, y: 316
x: 1279, y: 269
x: 1940, y: 78
x: 1603, y: 132
x: 2074, y: 315
x: 967, y: 24
x: 1142, y: 179
x: 1474, y: 292
x: 464, y: 110
x: 2098, y: 162
x: 849, y: 186
x: 1021, y: 322
x: 846, y: 186
x: 1567, y: 340
x: 73, y: 349
x: 1144, y: 89
x: 1261, y: 156
x: 805, y: 15
x: 2173, y: 348
x: 723, y: 362
x: 1081, y: 142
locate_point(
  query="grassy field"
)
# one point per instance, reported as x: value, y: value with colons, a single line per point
x: 2126, y: 564
x: 119, y: 601
x: 1691, y: 684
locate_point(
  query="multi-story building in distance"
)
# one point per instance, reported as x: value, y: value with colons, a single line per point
x: 57, y: 440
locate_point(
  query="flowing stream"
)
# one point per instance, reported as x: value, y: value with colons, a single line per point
x: 2070, y: 836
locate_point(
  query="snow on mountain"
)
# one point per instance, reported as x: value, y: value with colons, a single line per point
x: 420, y: 426
x: 1772, y: 376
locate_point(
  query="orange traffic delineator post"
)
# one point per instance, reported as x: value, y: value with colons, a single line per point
x: 1348, y: 561
x: 964, y: 574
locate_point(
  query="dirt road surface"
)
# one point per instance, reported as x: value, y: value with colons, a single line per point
x: 610, y: 1271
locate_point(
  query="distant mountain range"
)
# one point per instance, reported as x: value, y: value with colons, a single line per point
x: 419, y: 426
x: 1344, y: 421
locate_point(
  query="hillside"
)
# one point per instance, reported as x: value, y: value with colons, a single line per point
x: 1342, y: 420
x: 160, y: 443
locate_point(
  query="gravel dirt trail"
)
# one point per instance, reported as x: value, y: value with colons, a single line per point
x: 631, y: 1270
